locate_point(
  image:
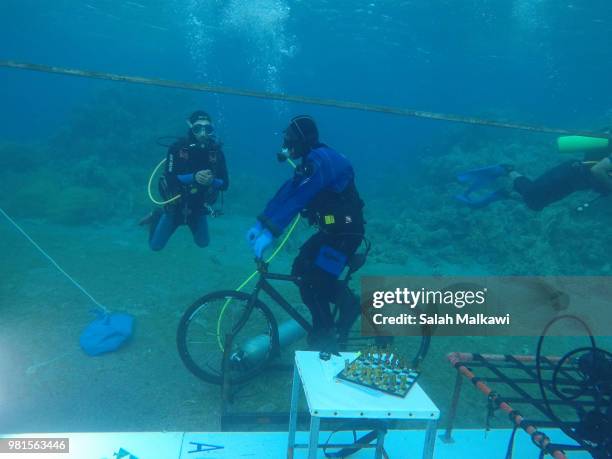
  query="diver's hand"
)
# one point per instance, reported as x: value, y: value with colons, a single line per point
x: 204, y: 177
x: 262, y: 243
x: 254, y: 232
x: 602, y: 171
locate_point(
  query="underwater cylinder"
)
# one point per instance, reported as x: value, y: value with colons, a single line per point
x: 255, y: 349
x: 573, y: 143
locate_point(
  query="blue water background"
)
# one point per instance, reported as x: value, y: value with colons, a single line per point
x: 542, y: 62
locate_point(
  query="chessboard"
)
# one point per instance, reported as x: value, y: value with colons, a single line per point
x: 380, y: 369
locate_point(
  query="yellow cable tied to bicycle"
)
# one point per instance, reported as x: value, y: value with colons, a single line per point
x: 155, y: 201
x: 248, y: 279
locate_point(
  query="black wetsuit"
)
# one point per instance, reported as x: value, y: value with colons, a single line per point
x: 334, y: 244
x: 185, y: 158
x: 323, y: 190
x: 557, y: 183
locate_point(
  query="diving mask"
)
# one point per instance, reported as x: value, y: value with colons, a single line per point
x: 201, y: 128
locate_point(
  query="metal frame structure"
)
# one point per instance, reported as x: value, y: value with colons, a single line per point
x: 517, y: 386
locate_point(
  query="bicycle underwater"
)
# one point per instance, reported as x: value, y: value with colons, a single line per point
x: 247, y: 322
x: 232, y: 336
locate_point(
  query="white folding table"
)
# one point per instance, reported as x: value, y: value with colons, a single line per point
x: 328, y: 397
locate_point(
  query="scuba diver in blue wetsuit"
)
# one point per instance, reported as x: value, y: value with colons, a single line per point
x: 323, y: 190
x: 594, y: 172
x: 196, y: 170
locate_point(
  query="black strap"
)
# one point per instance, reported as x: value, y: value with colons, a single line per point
x: 496, y: 399
x: 524, y: 424
x: 513, y: 415
x: 552, y: 448
x: 510, y: 449
x: 540, y: 443
x: 491, y: 407
x: 348, y: 451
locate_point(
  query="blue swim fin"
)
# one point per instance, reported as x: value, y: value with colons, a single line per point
x: 484, y: 175
x: 484, y: 200
x: 480, y: 178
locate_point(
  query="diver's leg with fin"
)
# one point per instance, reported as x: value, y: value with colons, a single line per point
x: 314, y: 286
x: 199, y: 228
x: 484, y: 175
x: 554, y: 185
x: 161, y: 232
x: 477, y: 179
x: 152, y: 220
x: 347, y: 302
x: 349, y: 308
x: 483, y: 201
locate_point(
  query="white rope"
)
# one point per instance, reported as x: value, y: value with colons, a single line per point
x: 59, y: 268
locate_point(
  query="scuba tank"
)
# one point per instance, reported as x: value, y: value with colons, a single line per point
x: 257, y: 348
x: 574, y: 143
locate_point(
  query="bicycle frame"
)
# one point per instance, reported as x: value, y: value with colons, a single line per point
x: 263, y: 284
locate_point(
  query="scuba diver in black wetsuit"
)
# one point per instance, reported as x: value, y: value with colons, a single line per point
x: 594, y: 172
x: 323, y: 190
x: 195, y: 169
x: 563, y: 180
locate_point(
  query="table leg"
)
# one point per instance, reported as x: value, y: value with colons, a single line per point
x: 430, y: 439
x: 313, y: 442
x: 380, y: 443
x: 447, y: 437
x: 295, y: 395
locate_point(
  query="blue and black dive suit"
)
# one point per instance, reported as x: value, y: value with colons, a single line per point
x: 185, y: 158
x: 560, y: 181
x: 323, y: 190
x: 552, y: 186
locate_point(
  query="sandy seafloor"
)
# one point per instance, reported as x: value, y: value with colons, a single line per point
x: 49, y: 384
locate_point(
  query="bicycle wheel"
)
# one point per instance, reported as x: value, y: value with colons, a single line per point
x: 202, y: 332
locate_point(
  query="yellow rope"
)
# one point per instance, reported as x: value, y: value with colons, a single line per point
x: 159, y: 203
x: 178, y: 196
x: 248, y: 279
